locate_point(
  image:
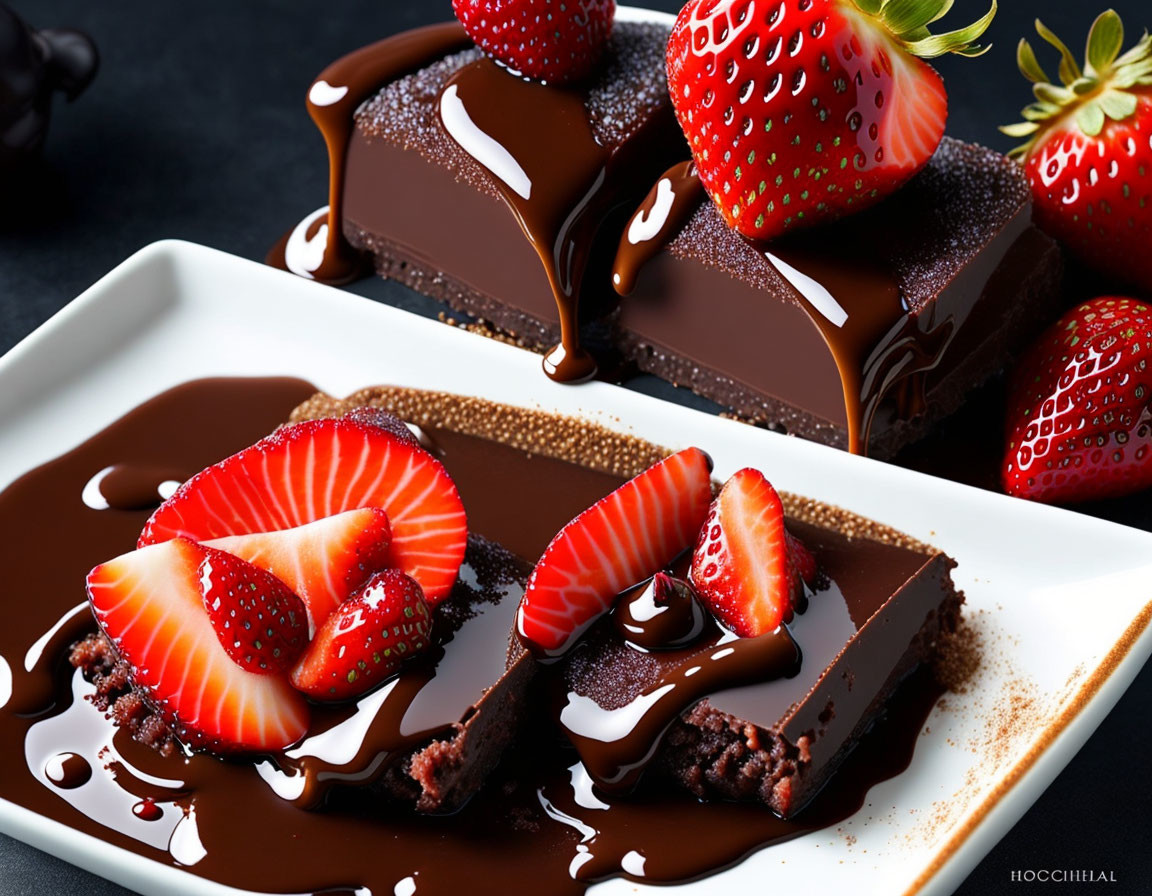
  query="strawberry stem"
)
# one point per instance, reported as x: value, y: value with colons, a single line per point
x: 908, y: 21
x: 1094, y: 95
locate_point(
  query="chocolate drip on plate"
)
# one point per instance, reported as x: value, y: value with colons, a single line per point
x: 211, y: 816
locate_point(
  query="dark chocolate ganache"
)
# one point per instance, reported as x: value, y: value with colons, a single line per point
x: 854, y: 301
x: 536, y: 821
x: 316, y: 248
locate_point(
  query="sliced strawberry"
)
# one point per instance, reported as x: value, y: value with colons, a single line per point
x: 741, y: 566
x: 364, y: 642
x: 149, y: 604
x: 308, y: 471
x: 622, y: 539
x: 261, y: 624
x: 323, y: 562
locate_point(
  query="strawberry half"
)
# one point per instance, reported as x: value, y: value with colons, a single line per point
x: 364, y: 642
x: 803, y: 111
x: 742, y: 567
x: 308, y: 471
x: 150, y: 605
x: 1079, y: 412
x: 553, y: 42
x: 621, y: 540
x: 261, y: 624
x: 1088, y: 156
x: 322, y: 562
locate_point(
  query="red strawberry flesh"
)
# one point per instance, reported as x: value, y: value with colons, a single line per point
x: 308, y: 471
x: 366, y: 640
x: 149, y: 604
x: 322, y: 562
x: 621, y: 540
x: 741, y: 566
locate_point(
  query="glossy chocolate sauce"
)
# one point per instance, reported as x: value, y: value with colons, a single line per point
x: 316, y: 249
x: 663, y: 613
x: 537, y: 824
x: 879, y: 348
x: 526, y: 134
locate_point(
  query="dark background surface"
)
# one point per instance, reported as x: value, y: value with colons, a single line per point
x: 196, y: 129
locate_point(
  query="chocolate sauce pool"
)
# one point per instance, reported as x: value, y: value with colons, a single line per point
x: 537, y: 826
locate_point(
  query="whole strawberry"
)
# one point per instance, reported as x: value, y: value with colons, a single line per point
x: 260, y: 622
x: 1089, y: 156
x: 803, y: 111
x: 550, y: 41
x: 366, y: 639
x: 1079, y: 421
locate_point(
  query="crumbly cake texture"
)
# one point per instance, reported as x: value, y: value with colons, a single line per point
x: 439, y: 776
x: 716, y: 755
x: 925, y: 233
x: 629, y: 88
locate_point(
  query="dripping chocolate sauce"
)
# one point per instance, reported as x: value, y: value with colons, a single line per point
x: 316, y: 248
x: 526, y: 134
x: 220, y: 819
x: 880, y: 350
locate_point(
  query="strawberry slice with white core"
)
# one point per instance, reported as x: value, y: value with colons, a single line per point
x: 741, y: 567
x: 149, y: 604
x: 622, y: 539
x: 308, y: 471
x: 322, y: 562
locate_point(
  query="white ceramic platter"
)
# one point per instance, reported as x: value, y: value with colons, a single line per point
x: 176, y: 311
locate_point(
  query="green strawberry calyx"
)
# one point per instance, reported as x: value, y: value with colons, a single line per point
x: 1102, y: 90
x: 907, y: 22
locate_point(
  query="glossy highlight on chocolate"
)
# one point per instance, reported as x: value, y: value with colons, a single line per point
x: 215, y: 818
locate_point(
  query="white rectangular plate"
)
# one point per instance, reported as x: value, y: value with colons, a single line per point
x: 176, y: 311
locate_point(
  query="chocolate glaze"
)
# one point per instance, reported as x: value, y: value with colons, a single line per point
x: 316, y: 248
x: 221, y: 820
x: 855, y: 302
x: 525, y: 134
x: 68, y: 770
x: 663, y: 613
x: 662, y: 215
x: 889, y: 309
x: 616, y: 744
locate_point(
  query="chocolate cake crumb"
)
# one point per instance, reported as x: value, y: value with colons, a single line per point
x: 958, y: 657
x: 117, y: 696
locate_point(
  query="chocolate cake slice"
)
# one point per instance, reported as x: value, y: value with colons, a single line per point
x: 859, y: 334
x: 505, y: 198
x: 431, y: 737
x: 428, y: 741
x: 884, y: 603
